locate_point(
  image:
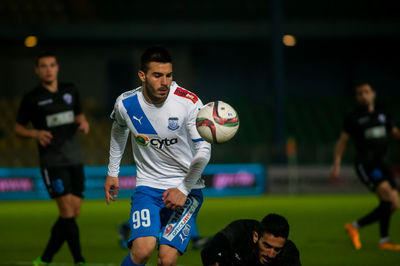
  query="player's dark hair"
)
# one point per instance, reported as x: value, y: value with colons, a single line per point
x: 275, y: 224
x: 154, y: 54
x: 44, y: 54
x: 358, y: 85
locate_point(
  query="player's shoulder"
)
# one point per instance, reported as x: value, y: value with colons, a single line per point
x: 184, y: 95
x: 127, y: 95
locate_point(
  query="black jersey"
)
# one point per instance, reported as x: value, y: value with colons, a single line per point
x: 54, y: 112
x: 234, y: 246
x: 370, y: 132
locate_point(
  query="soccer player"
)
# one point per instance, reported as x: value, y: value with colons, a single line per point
x: 249, y: 242
x: 169, y: 154
x: 55, y: 112
x: 371, y: 128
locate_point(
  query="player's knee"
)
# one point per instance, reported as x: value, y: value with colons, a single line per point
x: 165, y: 260
x: 141, y: 254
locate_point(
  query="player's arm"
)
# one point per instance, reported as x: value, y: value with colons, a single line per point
x: 395, y: 132
x: 82, y: 122
x: 176, y: 197
x: 339, y: 150
x: 42, y: 136
x: 119, y: 137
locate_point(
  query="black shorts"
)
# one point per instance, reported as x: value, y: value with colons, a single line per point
x: 373, y: 173
x: 62, y: 180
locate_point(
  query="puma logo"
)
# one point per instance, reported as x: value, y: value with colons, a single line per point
x: 138, y: 119
x: 182, y: 238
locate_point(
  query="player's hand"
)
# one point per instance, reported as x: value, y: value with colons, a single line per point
x: 84, y: 126
x: 44, y: 137
x: 334, y: 174
x: 111, y: 187
x: 174, y: 198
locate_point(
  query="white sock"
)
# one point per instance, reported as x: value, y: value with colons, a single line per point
x: 384, y: 240
x: 355, y: 224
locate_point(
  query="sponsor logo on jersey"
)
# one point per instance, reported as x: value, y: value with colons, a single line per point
x: 186, y: 94
x: 138, y: 119
x: 67, y: 98
x: 161, y: 143
x: 142, y: 140
x: 158, y: 143
x: 173, y: 123
x: 180, y: 219
x: 168, y: 229
x: 45, y: 102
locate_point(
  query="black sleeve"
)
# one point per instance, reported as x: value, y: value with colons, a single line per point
x: 217, y: 250
x: 25, y: 111
x: 77, y: 101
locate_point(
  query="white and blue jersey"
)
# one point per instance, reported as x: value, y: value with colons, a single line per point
x: 164, y: 137
x: 168, y: 152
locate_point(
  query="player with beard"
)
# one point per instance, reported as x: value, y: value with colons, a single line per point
x: 371, y: 128
x: 170, y: 157
x: 249, y: 242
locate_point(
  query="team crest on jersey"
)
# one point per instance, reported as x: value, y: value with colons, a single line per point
x: 382, y: 118
x: 67, y: 98
x: 173, y: 123
x: 142, y: 140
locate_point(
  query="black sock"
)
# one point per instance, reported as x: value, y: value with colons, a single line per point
x: 72, y: 237
x: 382, y: 214
x: 386, y: 213
x: 56, y: 240
x: 370, y: 217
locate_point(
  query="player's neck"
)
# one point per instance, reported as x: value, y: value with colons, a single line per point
x: 51, y: 86
x: 371, y: 108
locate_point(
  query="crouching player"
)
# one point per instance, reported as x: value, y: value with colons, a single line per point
x: 249, y: 242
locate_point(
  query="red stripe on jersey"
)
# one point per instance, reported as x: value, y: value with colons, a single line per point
x: 186, y: 94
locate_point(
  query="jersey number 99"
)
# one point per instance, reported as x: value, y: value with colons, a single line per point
x: 141, y: 217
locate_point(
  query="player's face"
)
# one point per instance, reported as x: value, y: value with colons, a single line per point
x: 365, y: 95
x: 156, y: 82
x: 47, y: 69
x: 268, y: 247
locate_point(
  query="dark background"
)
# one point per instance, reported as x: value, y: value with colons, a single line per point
x: 222, y: 50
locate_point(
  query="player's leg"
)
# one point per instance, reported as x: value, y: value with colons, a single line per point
x: 145, y: 224
x: 71, y: 205
x: 197, y: 240
x: 177, y: 228
x: 55, y: 180
x: 123, y: 234
x: 167, y: 256
x: 388, y: 195
x: 141, y: 251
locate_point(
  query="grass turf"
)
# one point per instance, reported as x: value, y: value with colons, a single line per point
x: 316, y: 228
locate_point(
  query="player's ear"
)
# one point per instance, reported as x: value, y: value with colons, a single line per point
x: 255, y: 237
x: 142, y: 75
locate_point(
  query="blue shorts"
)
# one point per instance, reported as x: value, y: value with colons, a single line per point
x: 150, y: 217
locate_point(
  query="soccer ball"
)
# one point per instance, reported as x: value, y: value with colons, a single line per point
x: 217, y: 122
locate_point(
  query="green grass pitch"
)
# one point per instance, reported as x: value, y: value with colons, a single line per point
x: 316, y: 228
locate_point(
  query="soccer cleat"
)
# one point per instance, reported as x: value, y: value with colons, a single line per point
x: 39, y: 262
x: 389, y: 246
x: 353, y: 234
